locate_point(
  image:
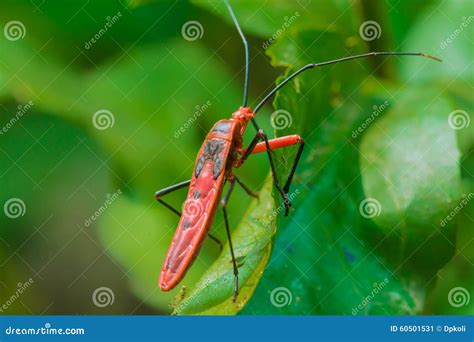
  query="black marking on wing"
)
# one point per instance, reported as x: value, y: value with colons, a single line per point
x: 199, y: 166
x: 217, y: 167
x: 212, y: 151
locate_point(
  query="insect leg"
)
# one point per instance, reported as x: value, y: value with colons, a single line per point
x: 286, y: 187
x: 172, y: 188
x: 216, y: 240
x: 255, y: 141
x: 286, y: 201
x: 246, y: 188
x: 280, y: 143
x: 165, y: 191
x: 224, y: 202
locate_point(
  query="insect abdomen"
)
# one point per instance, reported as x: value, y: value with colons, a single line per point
x: 198, y: 211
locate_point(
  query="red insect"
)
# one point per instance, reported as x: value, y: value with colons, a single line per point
x: 221, y: 152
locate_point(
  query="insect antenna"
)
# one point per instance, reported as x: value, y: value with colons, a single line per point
x: 244, y: 40
x: 314, y: 65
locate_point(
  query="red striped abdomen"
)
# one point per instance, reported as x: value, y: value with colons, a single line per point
x: 203, y: 198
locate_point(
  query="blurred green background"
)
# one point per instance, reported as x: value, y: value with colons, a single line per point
x: 104, y: 102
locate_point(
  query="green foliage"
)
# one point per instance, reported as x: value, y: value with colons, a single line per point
x: 332, y: 261
x: 410, y: 167
x: 377, y: 138
x: 272, y: 21
x: 322, y: 255
x: 252, y: 246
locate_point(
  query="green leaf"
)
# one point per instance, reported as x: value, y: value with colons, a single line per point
x: 453, y: 290
x: 454, y: 287
x: 410, y: 172
x: 323, y: 262
x: 450, y: 39
x: 270, y: 20
x: 252, y: 241
x: 331, y: 260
